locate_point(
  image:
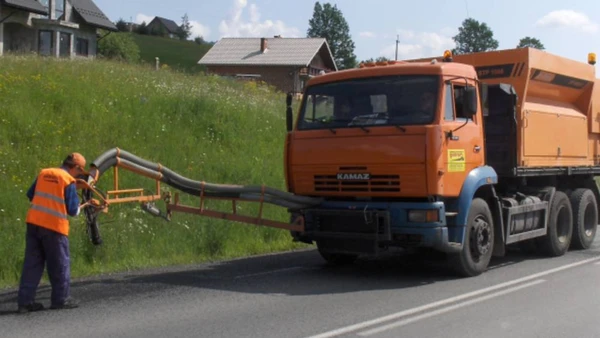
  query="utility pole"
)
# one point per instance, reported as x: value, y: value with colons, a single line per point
x: 397, y: 41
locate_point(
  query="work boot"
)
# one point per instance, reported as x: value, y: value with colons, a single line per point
x: 68, y: 304
x: 32, y: 307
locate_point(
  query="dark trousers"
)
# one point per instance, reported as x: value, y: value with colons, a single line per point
x: 45, y: 247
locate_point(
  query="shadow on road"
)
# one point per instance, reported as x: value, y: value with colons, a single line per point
x: 293, y: 274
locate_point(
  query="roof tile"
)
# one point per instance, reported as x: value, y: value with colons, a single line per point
x: 280, y: 51
x: 92, y: 14
x: 28, y: 5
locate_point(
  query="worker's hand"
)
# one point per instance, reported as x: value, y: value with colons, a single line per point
x: 93, y: 202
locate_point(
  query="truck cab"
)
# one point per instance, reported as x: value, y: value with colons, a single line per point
x: 390, y: 147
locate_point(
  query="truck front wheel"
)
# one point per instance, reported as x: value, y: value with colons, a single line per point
x: 478, y: 243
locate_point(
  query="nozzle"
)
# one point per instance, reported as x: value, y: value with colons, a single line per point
x: 153, y: 210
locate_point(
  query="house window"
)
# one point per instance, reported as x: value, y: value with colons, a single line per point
x: 65, y: 44
x: 46, y: 5
x: 45, y: 42
x: 81, y: 47
x: 59, y: 9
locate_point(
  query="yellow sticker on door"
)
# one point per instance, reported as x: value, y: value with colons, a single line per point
x: 456, y: 160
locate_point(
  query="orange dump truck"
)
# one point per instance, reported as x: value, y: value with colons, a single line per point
x: 463, y: 154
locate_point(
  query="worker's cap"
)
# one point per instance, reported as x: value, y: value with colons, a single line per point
x: 76, y: 159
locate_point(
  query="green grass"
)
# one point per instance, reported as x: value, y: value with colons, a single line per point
x: 177, y: 54
x: 202, y: 127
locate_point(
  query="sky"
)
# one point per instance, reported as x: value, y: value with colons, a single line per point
x: 567, y: 28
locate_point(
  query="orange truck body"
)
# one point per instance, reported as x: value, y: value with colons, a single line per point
x: 558, y: 108
x: 512, y: 136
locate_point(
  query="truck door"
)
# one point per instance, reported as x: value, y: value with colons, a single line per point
x: 463, y: 139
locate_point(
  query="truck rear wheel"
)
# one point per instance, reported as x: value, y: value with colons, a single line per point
x: 479, y: 241
x: 560, y: 227
x: 585, y: 218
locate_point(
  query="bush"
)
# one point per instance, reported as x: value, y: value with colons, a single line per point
x: 119, y: 46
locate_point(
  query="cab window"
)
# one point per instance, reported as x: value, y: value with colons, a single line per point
x: 453, y: 104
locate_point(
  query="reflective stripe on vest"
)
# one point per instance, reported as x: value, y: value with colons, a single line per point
x: 48, y: 207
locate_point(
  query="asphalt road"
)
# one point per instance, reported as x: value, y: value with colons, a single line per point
x: 296, y: 295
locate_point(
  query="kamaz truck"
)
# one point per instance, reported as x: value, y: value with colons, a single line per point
x: 464, y: 154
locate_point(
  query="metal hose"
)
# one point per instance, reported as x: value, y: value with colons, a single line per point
x: 189, y: 186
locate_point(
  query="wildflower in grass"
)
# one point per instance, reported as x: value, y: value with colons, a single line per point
x: 201, y: 119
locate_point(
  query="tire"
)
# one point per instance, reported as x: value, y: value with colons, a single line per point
x: 585, y: 218
x: 560, y: 227
x: 478, y: 246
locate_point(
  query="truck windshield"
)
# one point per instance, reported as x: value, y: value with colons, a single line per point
x: 391, y: 100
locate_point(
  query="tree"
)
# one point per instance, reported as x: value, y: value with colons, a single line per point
x: 474, y: 37
x: 185, y: 30
x: 143, y: 29
x: 530, y: 42
x: 328, y: 22
x: 199, y: 40
x: 122, y: 26
x: 378, y: 59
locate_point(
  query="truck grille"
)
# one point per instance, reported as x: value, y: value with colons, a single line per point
x: 377, y: 183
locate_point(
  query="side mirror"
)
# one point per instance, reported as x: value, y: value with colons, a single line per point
x: 470, y: 102
x: 288, y: 112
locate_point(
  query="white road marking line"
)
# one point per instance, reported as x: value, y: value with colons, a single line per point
x: 270, y: 272
x: 500, y: 265
x: 449, y: 308
x: 597, y: 263
x: 362, y: 325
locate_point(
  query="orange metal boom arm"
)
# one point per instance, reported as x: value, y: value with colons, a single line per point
x: 113, y: 197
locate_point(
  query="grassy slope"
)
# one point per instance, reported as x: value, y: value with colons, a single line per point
x: 177, y: 54
x: 202, y: 127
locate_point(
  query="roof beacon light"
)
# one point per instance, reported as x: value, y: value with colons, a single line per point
x: 592, y: 58
x: 447, y: 56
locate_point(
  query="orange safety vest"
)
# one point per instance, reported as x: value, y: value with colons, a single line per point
x: 48, y: 208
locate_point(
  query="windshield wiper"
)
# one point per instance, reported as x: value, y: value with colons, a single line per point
x: 333, y: 131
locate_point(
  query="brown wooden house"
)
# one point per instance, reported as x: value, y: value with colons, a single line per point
x: 285, y: 63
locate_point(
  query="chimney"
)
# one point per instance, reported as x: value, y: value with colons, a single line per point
x: 263, y: 45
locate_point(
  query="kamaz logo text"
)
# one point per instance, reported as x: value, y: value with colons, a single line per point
x: 353, y: 177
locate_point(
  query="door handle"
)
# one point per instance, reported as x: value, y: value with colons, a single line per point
x: 476, y: 149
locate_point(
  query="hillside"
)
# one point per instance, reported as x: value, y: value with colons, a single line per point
x: 182, y: 55
x: 202, y: 127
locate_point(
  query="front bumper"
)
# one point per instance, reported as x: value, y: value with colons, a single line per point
x: 355, y: 227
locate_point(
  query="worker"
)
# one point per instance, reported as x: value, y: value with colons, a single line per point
x: 344, y: 108
x: 53, y: 196
x: 427, y: 103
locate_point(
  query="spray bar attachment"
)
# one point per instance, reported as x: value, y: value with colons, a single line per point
x: 118, y: 158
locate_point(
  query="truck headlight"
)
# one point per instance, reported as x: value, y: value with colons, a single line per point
x: 423, y: 216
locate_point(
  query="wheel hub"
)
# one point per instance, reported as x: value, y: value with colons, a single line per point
x: 480, y: 237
